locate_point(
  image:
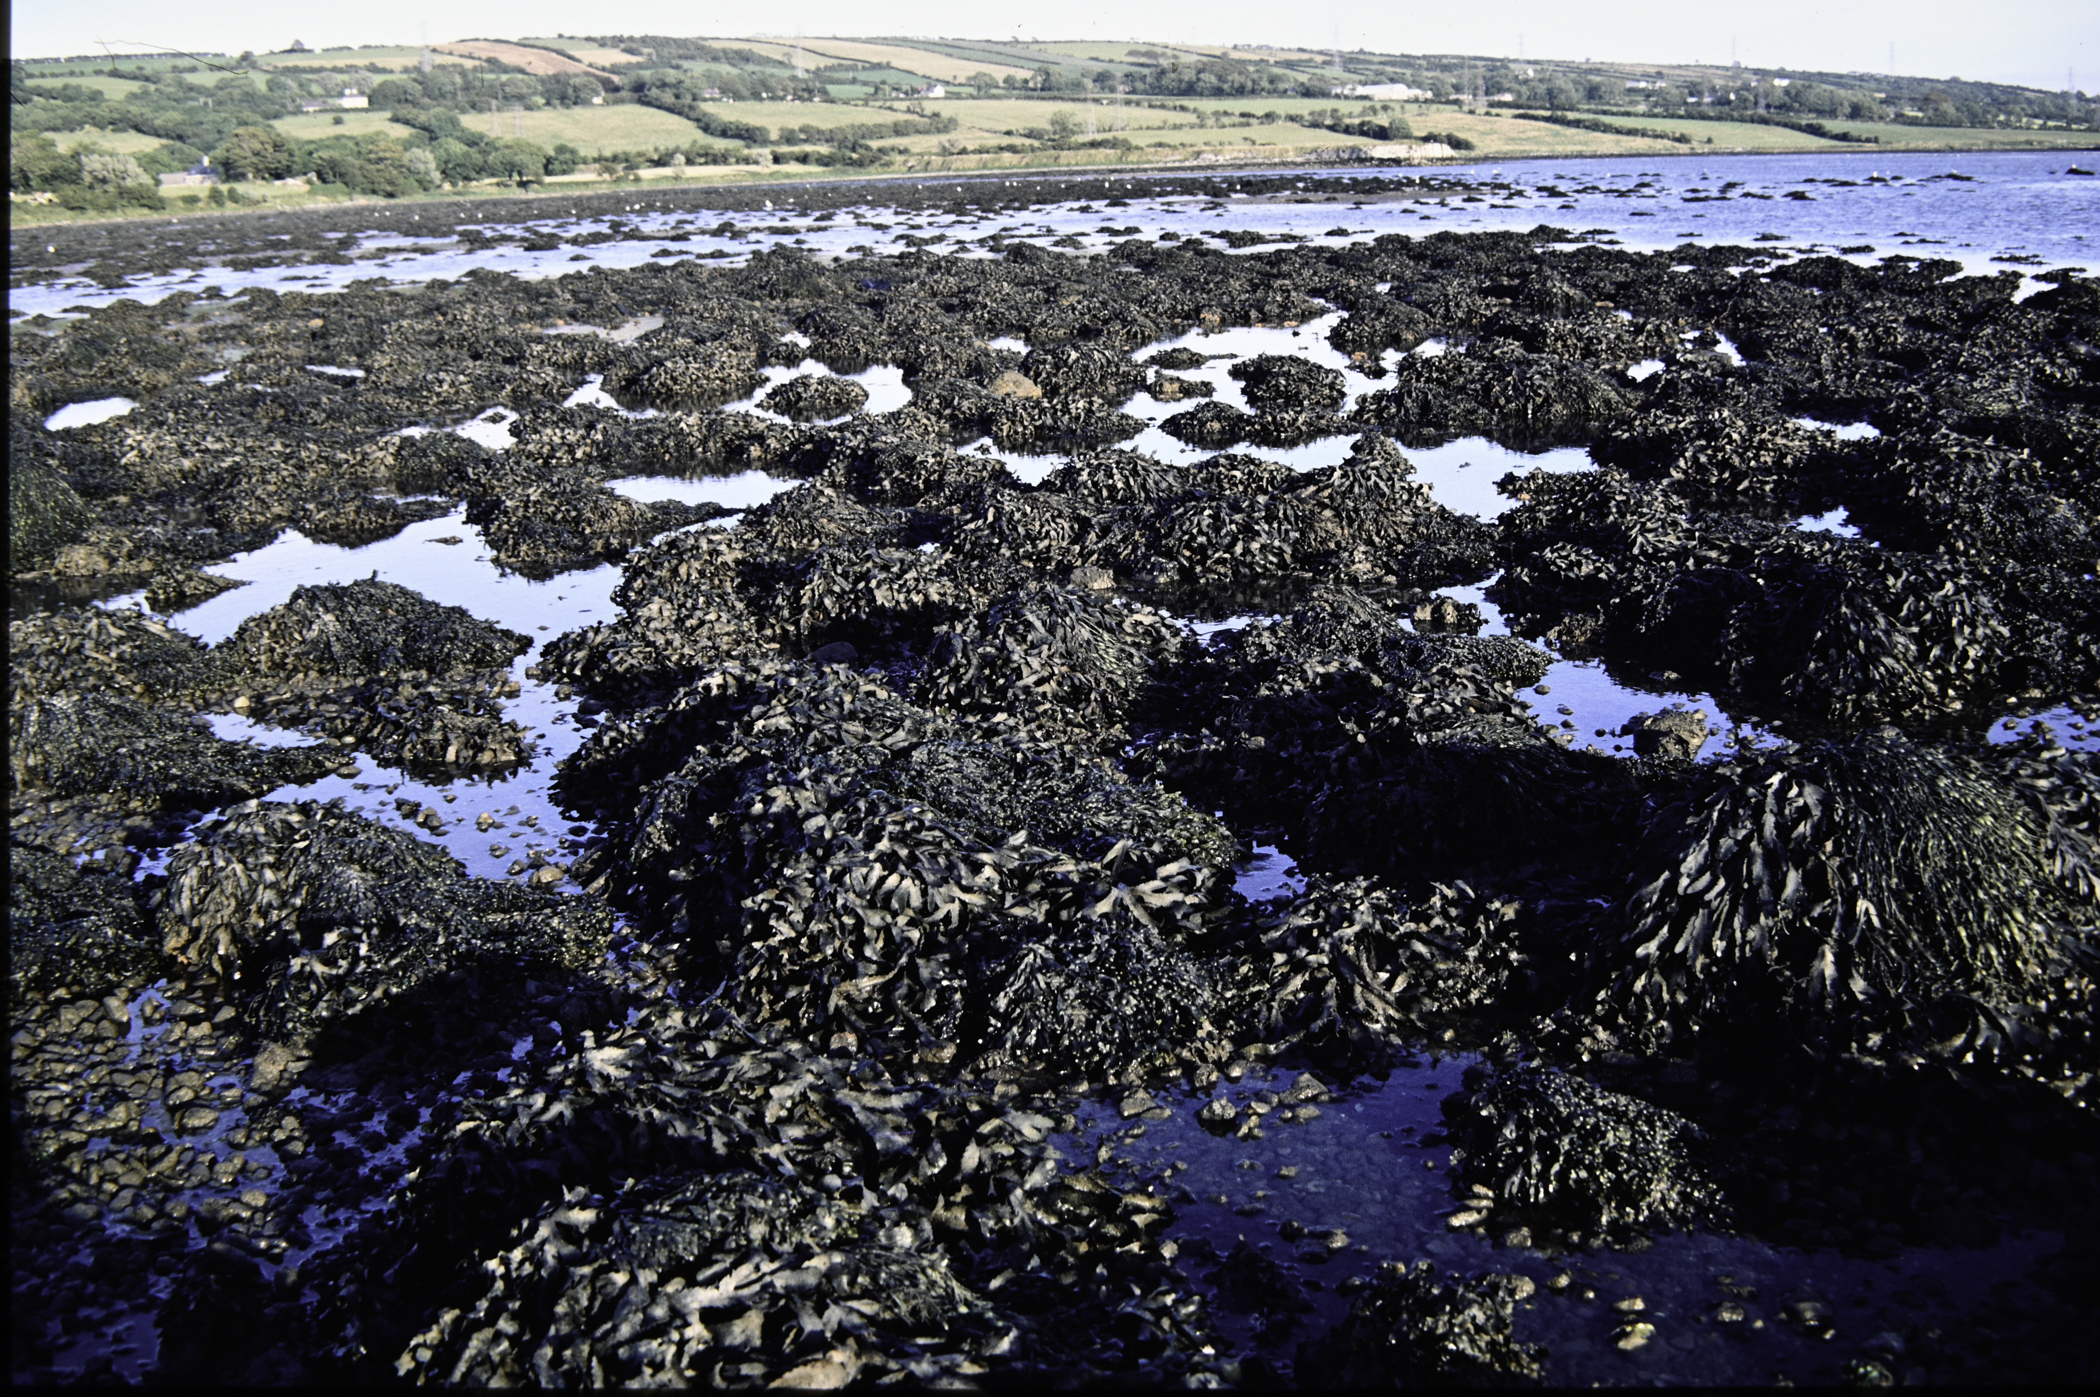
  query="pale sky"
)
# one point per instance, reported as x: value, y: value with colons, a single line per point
x: 2039, y: 43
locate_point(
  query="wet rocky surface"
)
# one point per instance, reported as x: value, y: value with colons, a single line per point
x: 884, y: 984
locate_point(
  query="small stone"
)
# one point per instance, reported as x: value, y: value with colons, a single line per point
x: 550, y: 875
x: 1013, y: 384
x: 1731, y: 1312
x: 1634, y: 1336
x: 1560, y: 1282
x: 1136, y: 1104
x: 1632, y: 1304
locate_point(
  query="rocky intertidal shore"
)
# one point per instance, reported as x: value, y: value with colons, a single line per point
x: 911, y: 815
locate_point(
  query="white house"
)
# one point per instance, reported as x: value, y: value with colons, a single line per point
x: 200, y: 173
x: 1382, y: 92
x: 932, y: 89
x: 351, y: 100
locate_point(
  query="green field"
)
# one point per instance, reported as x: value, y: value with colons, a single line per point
x: 1958, y: 138
x: 122, y: 142
x: 116, y: 89
x: 399, y: 58
x: 1018, y: 114
x: 591, y: 130
x: 315, y: 126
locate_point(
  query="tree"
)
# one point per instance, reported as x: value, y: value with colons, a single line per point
x: 387, y: 171
x: 457, y: 161
x: 33, y: 162
x: 101, y: 169
x: 255, y: 152
x: 515, y: 160
x: 423, y: 168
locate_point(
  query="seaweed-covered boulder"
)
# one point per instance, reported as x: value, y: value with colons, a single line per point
x: 95, y: 650
x: 1169, y: 388
x: 430, y: 728
x: 1860, y: 889
x: 1952, y: 493
x: 868, y: 866
x: 434, y: 463
x: 1289, y: 383
x: 1721, y: 453
x: 303, y: 913
x: 74, y: 932
x: 682, y: 374
x: 367, y: 628
x: 97, y: 744
x: 43, y: 513
x: 1083, y: 370
x: 1213, y: 425
x: 1048, y: 650
x: 712, y: 1273
x: 566, y: 520
x: 1353, y: 968
x: 815, y: 398
x: 1376, y: 324
x: 1109, y: 998
x: 1563, y: 1157
x: 1410, y: 1329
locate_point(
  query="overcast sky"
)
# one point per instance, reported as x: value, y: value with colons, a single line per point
x: 2034, y: 42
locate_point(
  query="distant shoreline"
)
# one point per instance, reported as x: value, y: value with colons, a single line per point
x: 25, y: 215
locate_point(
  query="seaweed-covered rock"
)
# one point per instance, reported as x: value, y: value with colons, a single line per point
x: 1289, y: 383
x: 302, y: 913
x: 1213, y: 425
x: 1352, y: 968
x: 367, y: 628
x: 1720, y: 453
x: 428, y: 728
x: 1566, y: 1158
x: 815, y: 398
x: 43, y: 513
x: 1049, y: 650
x: 95, y: 650
x: 102, y: 745
x: 565, y: 521
x: 1857, y: 889
x: 593, y: 1291
x: 1410, y: 1329
x: 1081, y: 370
x: 74, y: 932
x: 1949, y: 492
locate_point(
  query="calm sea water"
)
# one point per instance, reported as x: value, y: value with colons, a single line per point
x: 1971, y: 208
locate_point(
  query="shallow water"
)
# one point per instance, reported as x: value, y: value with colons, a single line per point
x: 2013, y: 203
x: 444, y: 560
x: 1374, y: 1164
x: 88, y: 413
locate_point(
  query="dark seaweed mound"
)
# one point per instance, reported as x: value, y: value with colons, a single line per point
x: 1555, y: 1153
x: 1410, y: 1329
x: 1872, y: 889
x: 301, y: 913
